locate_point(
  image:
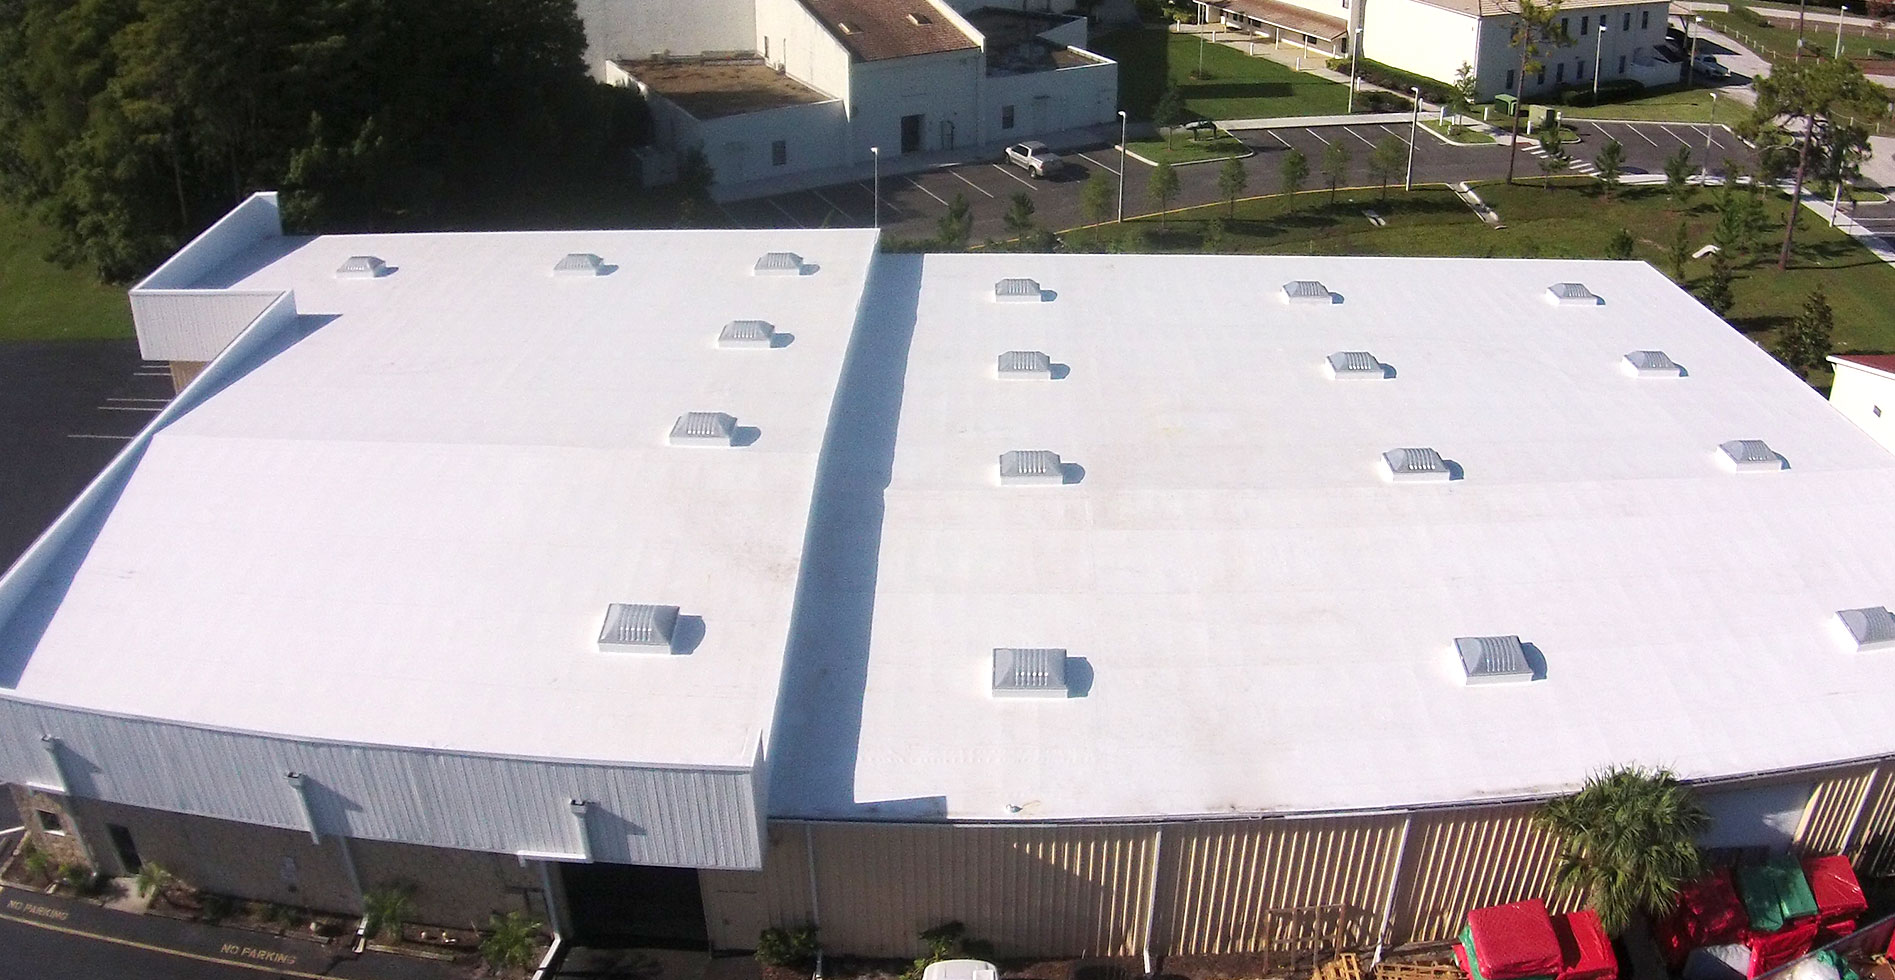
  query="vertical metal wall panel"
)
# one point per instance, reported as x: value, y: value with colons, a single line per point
x: 740, y: 904
x: 1277, y: 885
x: 1463, y: 859
x: 1873, y: 847
x: 1832, y: 808
x: 1043, y: 890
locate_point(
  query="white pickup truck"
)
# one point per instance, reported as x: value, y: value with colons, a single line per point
x: 1033, y: 157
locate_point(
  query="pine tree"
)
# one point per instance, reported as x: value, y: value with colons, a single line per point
x: 1294, y: 170
x: 1335, y: 166
x: 1620, y: 245
x: 1680, y: 251
x: 1716, y: 292
x: 1163, y: 186
x: 1231, y: 181
x: 1804, y: 345
x: 1610, y: 163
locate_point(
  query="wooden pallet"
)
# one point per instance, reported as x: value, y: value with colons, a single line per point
x: 1417, y: 971
x: 1344, y: 966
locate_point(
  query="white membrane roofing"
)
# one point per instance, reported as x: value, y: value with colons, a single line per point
x: 1258, y: 622
x: 406, y: 526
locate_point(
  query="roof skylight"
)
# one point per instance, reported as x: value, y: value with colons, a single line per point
x: 703, y: 429
x: 1415, y: 465
x: 637, y: 628
x: 746, y: 335
x: 779, y: 264
x: 1749, y: 456
x: 1869, y: 629
x: 1493, y: 659
x: 1029, y: 673
x: 1650, y: 364
x: 1024, y: 365
x: 1018, y: 291
x: 1307, y: 291
x: 361, y: 267
x: 578, y: 264
x: 1031, y: 468
x: 1355, y: 364
x: 1572, y: 294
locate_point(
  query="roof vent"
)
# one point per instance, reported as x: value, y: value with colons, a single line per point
x: 1650, y: 364
x: 746, y: 335
x: 1571, y: 294
x: 579, y: 264
x: 1749, y: 456
x: 920, y: 19
x: 1031, y: 468
x: 1868, y: 629
x: 1415, y: 466
x: 1025, y: 365
x: 1355, y: 364
x: 637, y: 628
x: 1306, y: 291
x: 1018, y: 291
x: 361, y: 267
x: 1029, y: 673
x: 779, y: 264
x: 1493, y: 659
x: 703, y: 429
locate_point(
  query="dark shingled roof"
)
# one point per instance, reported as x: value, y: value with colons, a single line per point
x: 880, y: 29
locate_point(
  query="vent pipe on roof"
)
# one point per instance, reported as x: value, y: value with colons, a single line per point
x: 1749, y: 456
x: 1868, y: 629
x: 1572, y: 294
x: 60, y: 784
x: 703, y: 429
x: 300, y: 785
x: 580, y: 810
x: 1493, y: 659
x: 1029, y: 673
x: 1031, y: 468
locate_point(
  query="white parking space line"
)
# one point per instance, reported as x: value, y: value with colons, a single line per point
x: 1675, y: 135
x: 786, y: 213
x: 732, y: 217
x: 1365, y: 140
x: 1391, y: 132
x: 924, y: 190
x: 838, y: 208
x: 970, y: 183
x: 1096, y: 163
x: 1014, y: 176
x: 131, y: 408
x: 161, y: 401
x: 89, y: 435
x: 1642, y: 136
x: 1314, y: 133
x: 1279, y: 139
x: 151, y: 374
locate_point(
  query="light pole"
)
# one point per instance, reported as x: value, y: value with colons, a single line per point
x: 1691, y: 68
x: 1121, y: 166
x: 1200, y: 56
x: 1354, y: 53
x: 876, y: 153
x: 1414, y: 124
x: 1801, y: 5
x: 1707, y: 138
x: 1598, y: 44
x: 1839, y: 15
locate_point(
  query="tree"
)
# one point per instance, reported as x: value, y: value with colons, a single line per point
x: 1807, y: 98
x: 1621, y: 245
x: 1716, y: 291
x: 1534, y: 27
x: 1214, y: 235
x: 1096, y: 198
x: 1019, y: 216
x: 1680, y: 252
x: 695, y: 177
x: 1385, y: 161
x: 1461, y: 96
x: 1804, y: 345
x: 510, y: 941
x: 955, y: 226
x: 1169, y: 111
x: 1163, y: 186
x: 153, y: 881
x: 1335, y: 166
x: 1553, y: 159
x: 1628, y: 841
x: 1610, y: 163
x: 1740, y: 220
x: 1678, y: 175
x: 1231, y: 181
x: 1295, y: 171
x: 387, y: 908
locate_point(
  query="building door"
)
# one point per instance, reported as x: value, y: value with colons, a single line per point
x: 947, y: 135
x: 1042, y: 114
x: 911, y: 133
x: 633, y: 905
x: 127, y: 851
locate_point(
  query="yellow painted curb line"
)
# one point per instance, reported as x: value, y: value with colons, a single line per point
x: 200, y: 957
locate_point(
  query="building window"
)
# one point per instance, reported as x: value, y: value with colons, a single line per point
x: 50, y: 822
x: 1509, y: 85
x: 1585, y: 25
x: 1580, y: 74
x: 1621, y: 64
x: 779, y: 153
x: 1625, y: 24
x: 1559, y: 73
x: 1006, y: 117
x: 1540, y: 79
x: 1566, y: 26
x: 1644, y: 20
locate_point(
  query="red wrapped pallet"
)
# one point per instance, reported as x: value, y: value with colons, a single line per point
x: 1585, y: 951
x: 1838, y: 892
x: 1709, y: 913
x: 1770, y: 951
x: 1514, y: 941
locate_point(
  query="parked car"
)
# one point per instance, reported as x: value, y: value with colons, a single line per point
x: 1707, y: 65
x: 1033, y: 157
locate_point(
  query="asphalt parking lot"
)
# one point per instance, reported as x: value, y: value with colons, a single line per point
x: 913, y: 203
x: 67, y: 408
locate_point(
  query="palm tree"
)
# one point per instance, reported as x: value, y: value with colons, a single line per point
x: 154, y: 881
x: 385, y: 910
x: 510, y: 941
x: 1627, y: 840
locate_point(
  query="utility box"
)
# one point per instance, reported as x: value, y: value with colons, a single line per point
x: 1507, y: 104
x: 1543, y: 117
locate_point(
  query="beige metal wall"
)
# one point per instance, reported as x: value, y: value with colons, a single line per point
x: 1465, y: 859
x: 1834, y: 803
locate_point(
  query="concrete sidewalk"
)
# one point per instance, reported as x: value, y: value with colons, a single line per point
x: 1289, y: 122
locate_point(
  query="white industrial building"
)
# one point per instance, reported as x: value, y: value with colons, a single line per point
x: 678, y: 584
x: 1613, y: 39
x: 772, y: 89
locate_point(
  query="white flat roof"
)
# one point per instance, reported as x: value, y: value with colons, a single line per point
x: 405, y: 527
x: 1267, y: 623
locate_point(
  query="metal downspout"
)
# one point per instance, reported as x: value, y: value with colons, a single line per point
x: 556, y: 918
x: 1394, y: 886
x: 815, y: 904
x: 1151, y: 896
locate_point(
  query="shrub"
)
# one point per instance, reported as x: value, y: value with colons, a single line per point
x: 385, y: 910
x: 218, y: 907
x: 1376, y: 73
x: 1374, y: 101
x: 1749, y: 16
x: 787, y: 947
x: 75, y: 876
x: 38, y: 863
x: 510, y: 941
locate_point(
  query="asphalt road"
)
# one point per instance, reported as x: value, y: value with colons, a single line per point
x: 32, y: 953
x: 913, y: 203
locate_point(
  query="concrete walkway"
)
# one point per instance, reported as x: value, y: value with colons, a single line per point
x: 1290, y: 122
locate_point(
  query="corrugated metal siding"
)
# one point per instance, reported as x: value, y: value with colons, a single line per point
x: 673, y: 817
x: 1462, y: 859
x: 193, y: 325
x: 740, y: 904
x: 1276, y: 885
x: 1873, y: 848
x: 1832, y: 806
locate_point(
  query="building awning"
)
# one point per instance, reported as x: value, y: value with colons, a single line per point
x: 1286, y: 16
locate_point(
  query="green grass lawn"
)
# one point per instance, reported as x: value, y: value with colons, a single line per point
x: 1570, y: 220
x: 1691, y: 105
x: 1468, y: 134
x: 1183, y: 150
x: 1780, y: 42
x: 1238, y: 87
x: 41, y: 301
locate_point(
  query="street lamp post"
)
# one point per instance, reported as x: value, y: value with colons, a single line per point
x: 1707, y: 138
x: 1354, y: 53
x: 1414, y: 125
x: 876, y: 153
x: 1691, y: 67
x: 1122, y: 125
x: 1598, y: 45
x: 1839, y: 16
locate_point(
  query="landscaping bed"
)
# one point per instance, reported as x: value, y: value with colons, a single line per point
x: 1234, y: 85
x: 1181, y: 150
x: 1468, y: 135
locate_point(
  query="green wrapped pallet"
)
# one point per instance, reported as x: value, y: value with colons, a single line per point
x: 1774, y: 893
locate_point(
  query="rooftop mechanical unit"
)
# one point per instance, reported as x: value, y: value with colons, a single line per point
x: 1415, y: 465
x: 746, y: 335
x: 1355, y: 365
x: 1868, y: 629
x: 1572, y: 294
x: 1031, y: 468
x: 1749, y: 456
x: 779, y: 264
x: 1029, y: 673
x: 637, y: 628
x: 713, y: 429
x: 1018, y: 291
x: 579, y: 265
x: 1650, y: 364
x: 361, y: 267
x: 1024, y: 365
x: 1307, y: 291
x: 1493, y: 659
